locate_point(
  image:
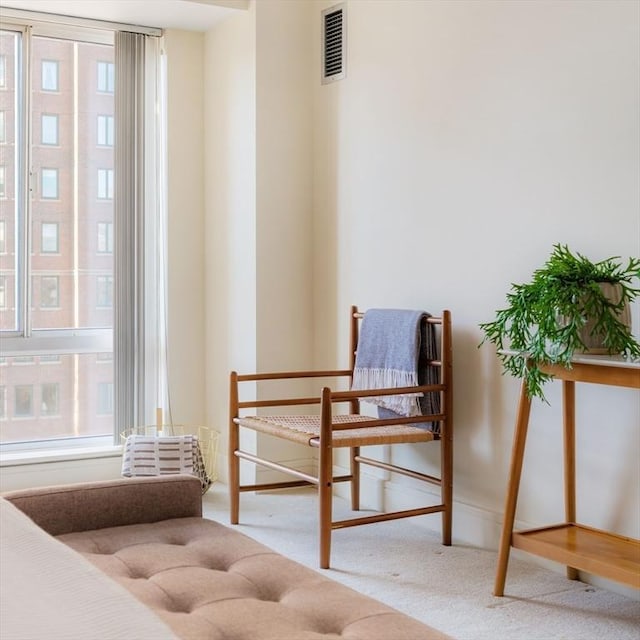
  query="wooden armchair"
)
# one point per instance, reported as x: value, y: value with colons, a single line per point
x: 329, y: 429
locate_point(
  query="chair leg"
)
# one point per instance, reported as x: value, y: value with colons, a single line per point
x: 355, y: 479
x: 234, y: 445
x: 447, y: 485
x: 325, y: 480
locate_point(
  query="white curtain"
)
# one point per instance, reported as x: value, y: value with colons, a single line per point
x: 140, y: 231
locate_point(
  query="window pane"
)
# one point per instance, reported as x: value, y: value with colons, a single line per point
x: 49, y: 292
x: 49, y: 129
x: 105, y: 184
x: 105, y: 237
x: 23, y: 406
x: 49, y: 183
x: 76, y: 262
x: 50, y: 393
x: 49, y: 237
x: 106, y: 76
x: 104, y: 289
x: 49, y: 75
x: 75, y: 395
x: 105, y: 131
x: 9, y: 42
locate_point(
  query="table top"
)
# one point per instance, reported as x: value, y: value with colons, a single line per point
x: 595, y: 359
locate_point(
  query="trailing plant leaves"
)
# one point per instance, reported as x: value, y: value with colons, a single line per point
x: 544, y: 318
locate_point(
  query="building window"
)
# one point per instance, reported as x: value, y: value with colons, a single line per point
x: 105, y: 237
x: 3, y: 292
x: 3, y: 126
x: 105, y: 184
x: 106, y: 77
x: 105, y: 131
x: 49, y: 292
x: 50, y: 399
x: 50, y: 359
x: 49, y: 241
x: 3, y: 402
x: 104, y: 292
x: 105, y: 398
x: 2, y: 182
x: 49, y: 187
x: 3, y: 236
x: 50, y: 75
x: 23, y: 407
x: 49, y: 133
x: 3, y: 72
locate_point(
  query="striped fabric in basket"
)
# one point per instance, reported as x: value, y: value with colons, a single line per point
x: 163, y: 455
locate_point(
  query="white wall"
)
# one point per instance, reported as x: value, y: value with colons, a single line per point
x: 230, y: 209
x: 467, y: 139
x: 186, y: 251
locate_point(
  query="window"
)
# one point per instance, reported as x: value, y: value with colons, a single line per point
x: 105, y: 131
x: 49, y: 292
x: 23, y: 407
x: 50, y: 393
x: 105, y: 398
x: 3, y: 292
x: 105, y: 237
x: 63, y: 249
x: 2, y: 182
x: 3, y: 71
x: 49, y: 241
x: 105, y: 184
x: 49, y: 129
x: 49, y: 186
x: 3, y: 127
x: 3, y: 402
x: 104, y: 288
x: 106, y: 77
x: 49, y: 75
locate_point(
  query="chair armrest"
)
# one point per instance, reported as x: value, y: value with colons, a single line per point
x: 97, y: 505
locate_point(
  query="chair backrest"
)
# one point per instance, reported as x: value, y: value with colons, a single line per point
x: 443, y: 363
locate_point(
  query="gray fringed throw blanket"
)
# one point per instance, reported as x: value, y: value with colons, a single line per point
x: 394, y: 350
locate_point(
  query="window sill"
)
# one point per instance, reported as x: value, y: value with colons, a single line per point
x: 18, y: 458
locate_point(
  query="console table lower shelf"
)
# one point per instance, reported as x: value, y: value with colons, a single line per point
x: 599, y: 552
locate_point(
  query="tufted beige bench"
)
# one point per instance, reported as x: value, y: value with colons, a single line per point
x: 204, y: 580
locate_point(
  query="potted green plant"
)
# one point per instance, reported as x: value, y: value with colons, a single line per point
x: 571, y: 305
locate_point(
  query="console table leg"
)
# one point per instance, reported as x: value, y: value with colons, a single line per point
x: 569, y: 423
x: 517, y: 455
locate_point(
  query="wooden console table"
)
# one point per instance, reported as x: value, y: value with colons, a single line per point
x: 579, y: 547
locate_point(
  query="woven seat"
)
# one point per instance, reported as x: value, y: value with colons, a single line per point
x: 332, y: 428
x: 306, y: 430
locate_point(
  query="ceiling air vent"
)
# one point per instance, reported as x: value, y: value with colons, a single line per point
x: 333, y: 43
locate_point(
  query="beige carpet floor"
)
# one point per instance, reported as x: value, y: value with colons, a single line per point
x: 403, y: 564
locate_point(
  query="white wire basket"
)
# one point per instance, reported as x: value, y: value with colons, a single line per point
x: 206, y: 467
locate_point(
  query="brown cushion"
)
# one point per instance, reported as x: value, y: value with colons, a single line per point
x: 209, y: 582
